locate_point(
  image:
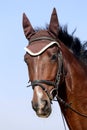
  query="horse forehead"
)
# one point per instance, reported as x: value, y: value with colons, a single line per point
x: 40, y: 33
x: 37, y: 46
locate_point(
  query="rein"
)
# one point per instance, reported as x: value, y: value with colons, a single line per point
x: 67, y: 105
x: 58, y: 76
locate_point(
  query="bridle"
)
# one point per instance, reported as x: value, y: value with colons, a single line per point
x: 50, y: 83
x: 59, y: 72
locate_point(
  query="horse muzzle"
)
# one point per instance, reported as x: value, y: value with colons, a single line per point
x: 42, y: 109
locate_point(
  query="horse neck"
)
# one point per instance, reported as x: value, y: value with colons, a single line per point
x: 76, y: 72
x: 75, y: 88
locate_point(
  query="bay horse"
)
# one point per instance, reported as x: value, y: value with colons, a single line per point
x: 57, y: 67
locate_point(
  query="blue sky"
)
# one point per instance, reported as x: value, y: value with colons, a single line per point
x: 15, y: 99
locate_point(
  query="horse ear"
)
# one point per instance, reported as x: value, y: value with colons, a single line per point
x: 54, y: 24
x: 27, y: 27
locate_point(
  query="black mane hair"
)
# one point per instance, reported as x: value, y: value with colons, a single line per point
x: 73, y: 43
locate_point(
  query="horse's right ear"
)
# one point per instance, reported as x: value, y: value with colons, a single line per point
x: 54, y: 23
x: 27, y: 27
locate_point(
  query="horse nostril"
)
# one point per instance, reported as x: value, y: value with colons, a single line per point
x: 34, y: 106
x: 45, y: 103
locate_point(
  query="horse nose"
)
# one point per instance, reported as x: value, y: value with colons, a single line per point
x: 39, y: 106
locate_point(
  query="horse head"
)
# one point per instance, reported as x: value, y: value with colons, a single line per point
x: 42, y: 58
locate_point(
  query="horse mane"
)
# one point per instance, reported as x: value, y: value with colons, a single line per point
x: 73, y: 43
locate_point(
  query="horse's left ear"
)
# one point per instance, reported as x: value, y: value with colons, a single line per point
x: 27, y: 27
x: 54, y: 24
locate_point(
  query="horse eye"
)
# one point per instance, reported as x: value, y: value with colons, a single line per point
x: 54, y: 57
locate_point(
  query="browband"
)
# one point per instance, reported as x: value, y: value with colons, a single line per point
x: 42, y: 50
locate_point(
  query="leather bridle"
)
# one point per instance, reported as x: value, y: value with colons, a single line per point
x: 47, y: 82
x: 50, y: 83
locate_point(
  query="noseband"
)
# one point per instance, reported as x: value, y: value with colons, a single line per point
x: 59, y: 72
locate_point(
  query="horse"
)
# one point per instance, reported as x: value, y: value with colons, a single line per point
x: 57, y: 68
